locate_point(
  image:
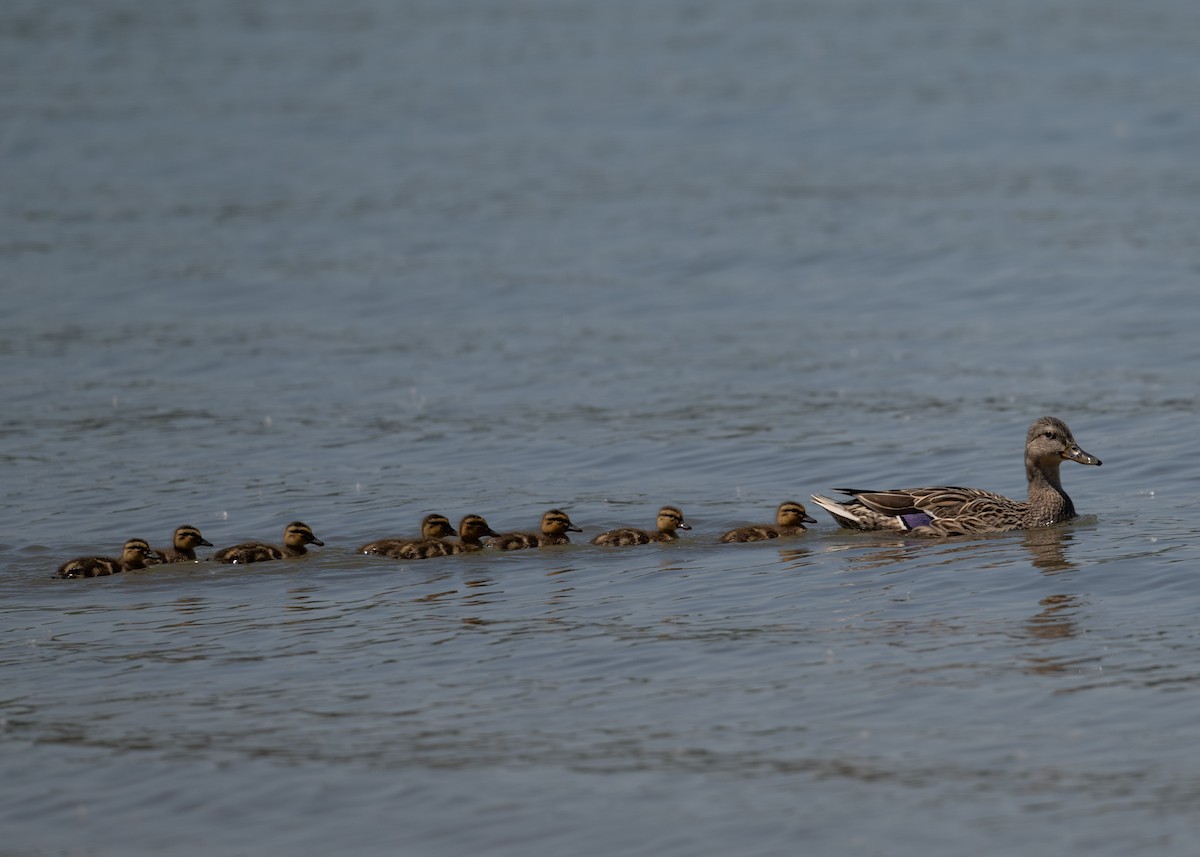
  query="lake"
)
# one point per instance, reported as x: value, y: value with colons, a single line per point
x: 351, y: 263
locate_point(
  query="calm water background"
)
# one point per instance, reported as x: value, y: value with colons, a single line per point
x: 353, y: 262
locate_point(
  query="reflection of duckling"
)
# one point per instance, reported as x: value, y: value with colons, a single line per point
x: 555, y: 526
x: 471, y: 531
x: 790, y: 519
x: 432, y: 527
x: 295, y: 536
x: 183, y: 547
x: 132, y: 556
x: 669, y: 520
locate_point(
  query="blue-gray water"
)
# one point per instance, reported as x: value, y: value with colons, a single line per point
x: 353, y: 262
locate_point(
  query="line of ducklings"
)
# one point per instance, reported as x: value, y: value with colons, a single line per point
x: 436, y: 539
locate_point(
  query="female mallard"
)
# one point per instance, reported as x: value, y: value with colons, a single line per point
x: 295, y: 536
x: 133, y: 555
x: 432, y: 527
x: 669, y: 520
x: 790, y: 519
x: 471, y: 531
x: 959, y: 511
x: 183, y: 547
x: 554, y: 528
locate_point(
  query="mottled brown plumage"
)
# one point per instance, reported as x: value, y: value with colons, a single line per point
x: 183, y: 547
x: 554, y: 528
x: 952, y: 511
x: 472, y: 529
x: 790, y: 519
x: 670, y: 519
x: 432, y: 527
x: 133, y: 555
x: 295, y: 536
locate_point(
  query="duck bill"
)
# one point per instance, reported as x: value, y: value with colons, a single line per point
x: 1077, y: 454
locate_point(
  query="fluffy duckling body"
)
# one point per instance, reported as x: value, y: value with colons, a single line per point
x: 133, y: 555
x: 670, y: 519
x: 183, y: 547
x: 472, y: 529
x: 432, y: 527
x: 295, y: 536
x: 554, y: 528
x: 790, y: 519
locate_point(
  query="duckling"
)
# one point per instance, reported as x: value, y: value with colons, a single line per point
x: 669, y: 520
x: 554, y: 527
x: 432, y: 527
x: 295, y: 536
x: 183, y: 547
x: 133, y: 555
x: 471, y: 531
x: 790, y: 519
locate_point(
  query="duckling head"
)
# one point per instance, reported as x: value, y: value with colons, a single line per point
x: 670, y: 519
x: 188, y: 537
x: 556, y: 522
x: 472, y: 528
x: 298, y: 534
x: 792, y: 514
x: 436, y: 527
x: 135, y: 552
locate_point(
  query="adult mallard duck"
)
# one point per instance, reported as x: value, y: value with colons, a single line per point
x: 432, y: 527
x: 133, y: 555
x: 295, y: 536
x: 183, y: 547
x: 950, y: 511
x: 790, y: 519
x: 669, y: 520
x: 554, y: 528
x: 472, y: 529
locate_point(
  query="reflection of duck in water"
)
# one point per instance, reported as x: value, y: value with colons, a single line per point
x: 669, y: 520
x: 950, y: 511
x: 432, y: 527
x: 790, y: 519
x: 295, y: 536
x: 554, y: 528
x: 133, y: 555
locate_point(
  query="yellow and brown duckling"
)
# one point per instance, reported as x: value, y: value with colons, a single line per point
x: 790, y: 519
x: 295, y: 536
x: 432, y: 527
x: 472, y: 530
x: 183, y: 547
x: 554, y: 528
x: 669, y: 520
x: 132, y: 556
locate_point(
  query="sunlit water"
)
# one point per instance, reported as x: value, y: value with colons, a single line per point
x: 352, y: 263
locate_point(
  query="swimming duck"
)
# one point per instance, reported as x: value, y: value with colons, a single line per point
x: 949, y: 511
x: 790, y: 519
x: 669, y: 520
x: 295, y: 536
x: 432, y: 527
x: 554, y: 528
x: 472, y: 529
x: 133, y: 555
x: 183, y: 547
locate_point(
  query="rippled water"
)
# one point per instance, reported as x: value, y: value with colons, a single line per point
x: 355, y: 262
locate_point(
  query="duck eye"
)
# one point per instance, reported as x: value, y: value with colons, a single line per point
x: 1049, y: 434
